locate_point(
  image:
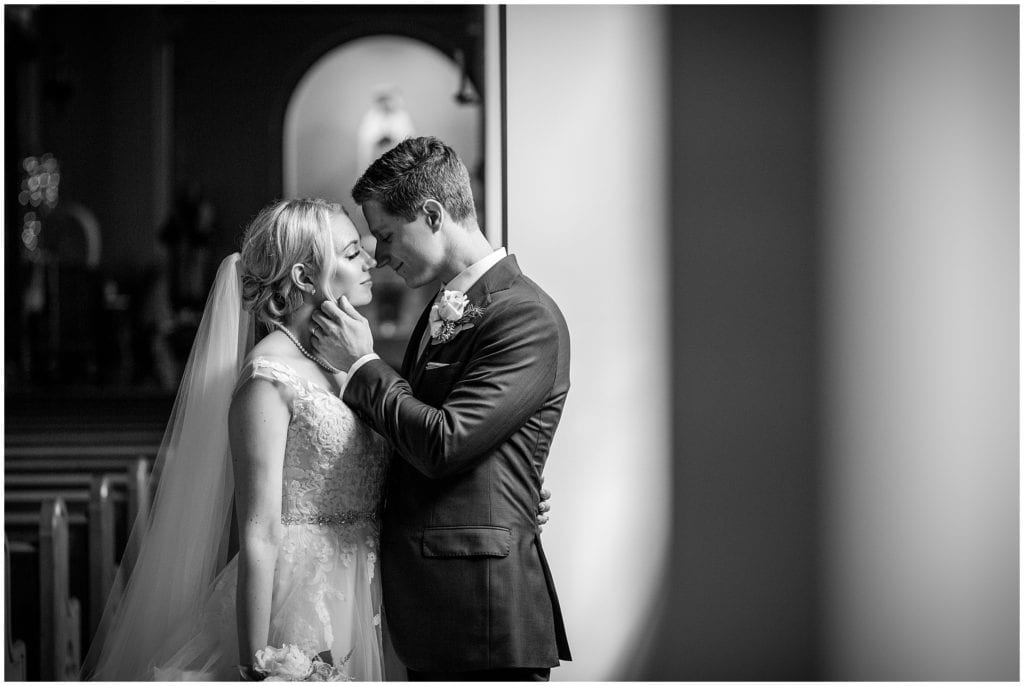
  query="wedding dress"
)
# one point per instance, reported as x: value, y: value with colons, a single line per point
x: 171, y: 614
x: 326, y: 589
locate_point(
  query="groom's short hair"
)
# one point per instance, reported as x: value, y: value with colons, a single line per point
x: 416, y: 170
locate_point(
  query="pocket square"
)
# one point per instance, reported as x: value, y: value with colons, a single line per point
x: 437, y: 365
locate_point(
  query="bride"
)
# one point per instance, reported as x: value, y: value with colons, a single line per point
x: 263, y: 427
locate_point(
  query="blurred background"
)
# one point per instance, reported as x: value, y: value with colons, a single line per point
x: 785, y: 239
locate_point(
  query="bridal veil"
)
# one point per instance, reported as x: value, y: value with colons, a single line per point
x: 184, y: 544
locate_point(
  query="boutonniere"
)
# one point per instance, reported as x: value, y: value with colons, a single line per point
x: 451, y: 314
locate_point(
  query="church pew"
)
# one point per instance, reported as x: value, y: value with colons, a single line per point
x: 140, y: 498
x: 28, y: 458
x: 21, y: 467
x: 133, y: 477
x: 24, y: 606
x: 35, y: 454
x: 90, y: 504
x: 70, y: 435
x: 60, y: 655
x: 41, y: 601
x: 14, y: 658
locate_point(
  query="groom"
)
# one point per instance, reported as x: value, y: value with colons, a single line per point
x: 467, y: 589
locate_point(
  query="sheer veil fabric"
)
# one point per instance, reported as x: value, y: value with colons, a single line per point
x: 155, y: 606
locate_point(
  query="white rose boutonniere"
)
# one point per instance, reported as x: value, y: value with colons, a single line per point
x: 452, y: 305
x: 451, y: 314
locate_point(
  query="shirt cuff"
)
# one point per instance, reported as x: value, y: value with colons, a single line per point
x: 361, y: 361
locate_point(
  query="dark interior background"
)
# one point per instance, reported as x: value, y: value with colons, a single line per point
x: 151, y: 109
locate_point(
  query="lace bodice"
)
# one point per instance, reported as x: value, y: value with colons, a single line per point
x: 334, y: 464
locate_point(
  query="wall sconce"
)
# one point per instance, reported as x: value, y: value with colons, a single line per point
x: 466, y: 95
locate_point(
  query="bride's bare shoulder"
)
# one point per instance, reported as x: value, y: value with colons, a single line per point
x: 271, y: 362
x: 275, y: 347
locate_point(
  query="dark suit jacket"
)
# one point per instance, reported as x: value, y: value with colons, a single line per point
x: 466, y: 584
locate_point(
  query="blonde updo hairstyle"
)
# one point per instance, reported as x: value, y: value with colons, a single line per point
x: 283, y: 234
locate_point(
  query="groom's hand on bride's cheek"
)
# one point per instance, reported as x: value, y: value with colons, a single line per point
x: 340, y: 334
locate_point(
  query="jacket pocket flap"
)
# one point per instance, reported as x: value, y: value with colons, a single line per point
x: 466, y: 541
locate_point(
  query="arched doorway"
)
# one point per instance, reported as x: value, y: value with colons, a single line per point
x: 342, y: 91
x: 352, y: 104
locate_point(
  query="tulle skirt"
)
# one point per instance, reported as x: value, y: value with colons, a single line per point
x: 326, y: 599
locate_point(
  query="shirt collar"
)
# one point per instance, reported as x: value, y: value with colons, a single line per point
x: 471, y: 274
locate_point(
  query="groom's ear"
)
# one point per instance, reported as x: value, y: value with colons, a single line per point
x: 434, y: 213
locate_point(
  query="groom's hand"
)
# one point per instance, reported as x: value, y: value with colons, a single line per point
x: 341, y: 335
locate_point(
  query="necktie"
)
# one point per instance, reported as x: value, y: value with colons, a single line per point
x: 432, y: 319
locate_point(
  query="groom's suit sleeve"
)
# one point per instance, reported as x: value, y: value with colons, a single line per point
x: 508, y: 373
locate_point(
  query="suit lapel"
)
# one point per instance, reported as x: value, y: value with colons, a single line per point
x: 497, y: 278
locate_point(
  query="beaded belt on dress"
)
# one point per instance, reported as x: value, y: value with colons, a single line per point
x: 350, y: 517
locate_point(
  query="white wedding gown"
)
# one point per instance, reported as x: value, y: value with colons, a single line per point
x: 326, y: 588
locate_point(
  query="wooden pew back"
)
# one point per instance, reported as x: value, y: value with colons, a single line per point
x: 44, y: 551
x: 15, y: 665
x: 91, y: 502
x: 60, y: 655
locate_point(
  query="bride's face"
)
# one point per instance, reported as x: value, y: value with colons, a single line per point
x: 348, y: 273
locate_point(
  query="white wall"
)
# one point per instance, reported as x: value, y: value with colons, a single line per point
x: 587, y: 216
x: 921, y: 248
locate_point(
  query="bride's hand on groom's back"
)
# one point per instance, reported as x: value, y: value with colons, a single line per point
x: 543, y: 507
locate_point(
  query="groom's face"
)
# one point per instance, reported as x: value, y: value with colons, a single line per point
x: 412, y: 249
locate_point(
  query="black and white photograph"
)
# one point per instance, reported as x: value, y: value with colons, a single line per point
x: 512, y: 342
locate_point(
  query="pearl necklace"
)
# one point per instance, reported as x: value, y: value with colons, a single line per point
x: 305, y: 352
